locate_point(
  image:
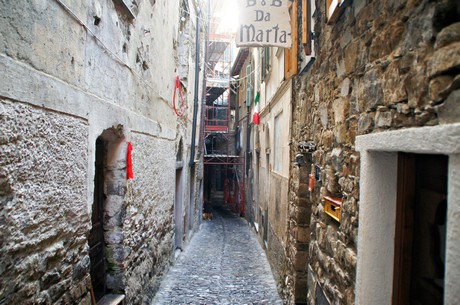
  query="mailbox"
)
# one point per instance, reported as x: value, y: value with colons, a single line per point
x: 332, y: 206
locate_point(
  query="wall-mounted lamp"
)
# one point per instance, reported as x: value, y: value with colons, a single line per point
x: 300, y: 160
x: 306, y: 148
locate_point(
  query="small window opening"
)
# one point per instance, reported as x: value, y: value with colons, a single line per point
x: 126, y: 9
x: 97, y: 20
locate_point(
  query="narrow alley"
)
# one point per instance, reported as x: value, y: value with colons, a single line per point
x: 323, y: 135
x: 223, y: 264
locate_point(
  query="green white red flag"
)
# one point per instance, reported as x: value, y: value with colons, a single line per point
x: 255, y: 116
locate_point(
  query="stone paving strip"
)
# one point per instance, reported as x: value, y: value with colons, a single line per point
x: 223, y: 264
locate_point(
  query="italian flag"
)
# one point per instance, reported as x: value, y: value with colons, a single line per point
x: 255, y: 116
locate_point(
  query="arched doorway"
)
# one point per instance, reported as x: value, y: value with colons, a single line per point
x: 107, y: 267
x: 96, y: 236
x: 179, y: 201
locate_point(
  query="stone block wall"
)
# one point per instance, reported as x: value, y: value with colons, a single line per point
x: 275, y: 253
x: 43, y: 209
x: 382, y: 65
x: 149, y: 209
x: 298, y: 236
x: 276, y: 205
x: 74, y: 71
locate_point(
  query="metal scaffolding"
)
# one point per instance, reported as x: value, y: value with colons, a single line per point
x: 224, y: 169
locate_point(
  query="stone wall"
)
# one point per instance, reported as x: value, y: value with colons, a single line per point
x: 270, y: 164
x: 295, y: 289
x: 73, y: 72
x: 43, y: 215
x: 277, y: 216
x: 149, y: 207
x: 382, y: 65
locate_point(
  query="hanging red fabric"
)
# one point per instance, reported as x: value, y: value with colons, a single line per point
x: 129, y: 162
x: 177, y: 87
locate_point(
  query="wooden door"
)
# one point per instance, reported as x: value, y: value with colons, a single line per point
x: 96, y: 235
x: 420, y: 230
x: 179, y: 211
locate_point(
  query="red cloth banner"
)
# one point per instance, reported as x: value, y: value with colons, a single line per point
x: 256, y: 118
x: 182, y: 106
x: 129, y: 162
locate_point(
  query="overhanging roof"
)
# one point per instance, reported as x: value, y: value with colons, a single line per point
x: 243, y: 54
x: 212, y: 93
x: 216, y: 50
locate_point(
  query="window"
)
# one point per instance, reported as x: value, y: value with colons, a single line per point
x: 334, y: 9
x: 300, y: 54
x: 290, y: 55
x: 306, y: 51
x: 126, y: 8
x: 277, y: 147
x: 249, y: 84
x: 265, y: 62
x: 306, y: 26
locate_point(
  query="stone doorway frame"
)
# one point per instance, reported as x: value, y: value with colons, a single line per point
x: 114, y: 206
x: 377, y: 207
x: 179, y: 228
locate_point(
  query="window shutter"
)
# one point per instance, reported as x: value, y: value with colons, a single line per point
x: 306, y: 27
x: 290, y: 55
x: 248, y: 86
x: 263, y: 72
x: 334, y: 9
x: 265, y: 62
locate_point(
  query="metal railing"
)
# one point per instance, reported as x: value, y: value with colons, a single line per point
x: 216, y: 118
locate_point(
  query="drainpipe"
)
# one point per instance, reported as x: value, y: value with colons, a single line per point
x: 248, y: 202
x: 203, y: 99
x: 248, y: 142
x: 197, y: 76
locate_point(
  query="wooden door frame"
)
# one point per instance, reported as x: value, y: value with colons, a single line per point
x: 377, y: 207
x: 404, y: 229
x: 179, y: 210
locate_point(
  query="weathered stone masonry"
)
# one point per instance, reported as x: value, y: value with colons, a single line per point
x: 75, y: 73
x: 43, y: 212
x: 382, y: 65
x: 149, y: 200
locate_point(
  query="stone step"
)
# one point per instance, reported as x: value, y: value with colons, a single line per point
x: 112, y: 299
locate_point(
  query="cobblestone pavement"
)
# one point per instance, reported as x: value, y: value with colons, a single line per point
x: 223, y: 264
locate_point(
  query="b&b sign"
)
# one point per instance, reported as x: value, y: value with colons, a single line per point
x: 264, y: 23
